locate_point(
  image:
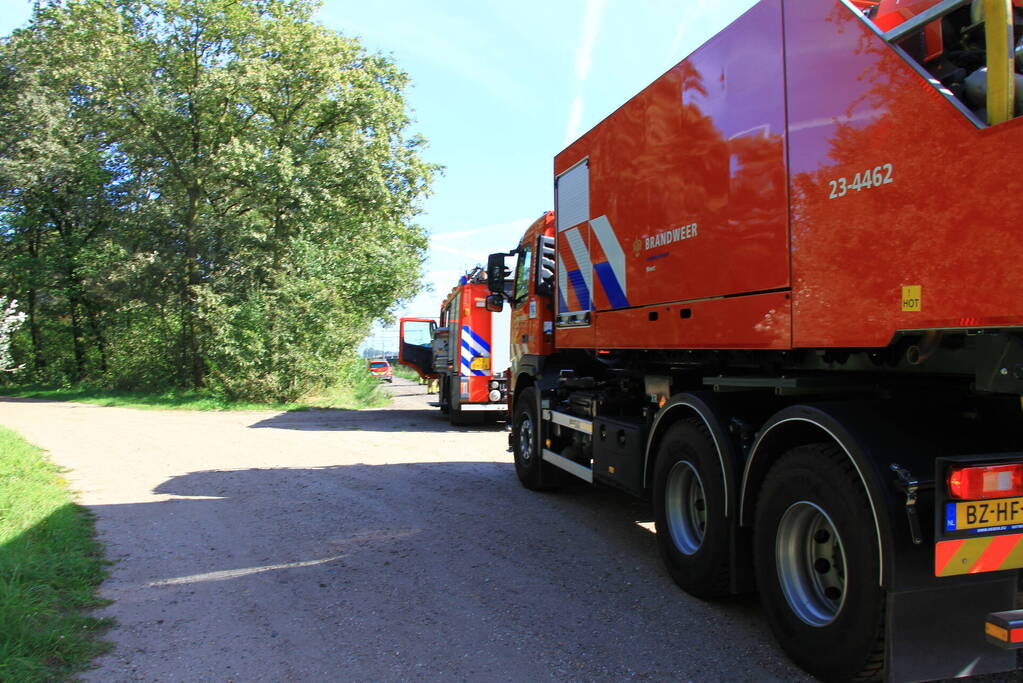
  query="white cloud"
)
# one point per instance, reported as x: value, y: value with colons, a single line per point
x: 442, y: 276
x: 515, y: 228
x: 575, y: 120
x: 591, y: 29
x: 583, y: 64
x: 471, y: 254
x: 673, y: 55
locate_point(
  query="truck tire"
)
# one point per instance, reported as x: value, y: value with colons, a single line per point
x: 817, y: 564
x: 533, y: 472
x: 444, y: 395
x: 456, y: 416
x: 689, y: 510
x: 462, y: 418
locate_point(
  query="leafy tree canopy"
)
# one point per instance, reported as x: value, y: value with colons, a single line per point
x: 203, y: 193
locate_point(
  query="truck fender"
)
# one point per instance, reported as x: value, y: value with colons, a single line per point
x: 705, y: 406
x: 861, y: 435
x: 524, y: 372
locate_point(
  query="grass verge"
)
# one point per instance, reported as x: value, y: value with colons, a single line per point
x: 405, y: 372
x: 363, y: 393
x: 50, y: 566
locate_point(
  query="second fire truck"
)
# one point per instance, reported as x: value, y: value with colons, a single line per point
x: 466, y: 352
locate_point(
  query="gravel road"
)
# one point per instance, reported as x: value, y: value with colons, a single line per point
x: 375, y: 545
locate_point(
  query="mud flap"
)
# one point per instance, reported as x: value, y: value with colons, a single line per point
x: 939, y: 632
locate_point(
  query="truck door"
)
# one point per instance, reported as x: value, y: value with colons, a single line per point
x: 532, y: 311
x: 415, y: 348
x: 520, y: 304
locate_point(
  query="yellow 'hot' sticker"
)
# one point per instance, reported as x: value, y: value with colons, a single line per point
x: 911, y: 297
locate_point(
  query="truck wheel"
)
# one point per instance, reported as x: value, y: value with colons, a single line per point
x: 443, y: 396
x: 689, y: 510
x: 532, y: 471
x: 816, y: 555
x: 462, y: 418
x: 456, y: 416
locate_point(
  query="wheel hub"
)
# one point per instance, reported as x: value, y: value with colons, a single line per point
x: 685, y: 507
x: 526, y: 439
x: 811, y: 563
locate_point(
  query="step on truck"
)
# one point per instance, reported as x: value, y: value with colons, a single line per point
x: 781, y: 296
x: 458, y: 350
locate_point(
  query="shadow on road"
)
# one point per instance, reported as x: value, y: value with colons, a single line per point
x: 410, y: 412
x: 404, y: 391
x: 386, y: 420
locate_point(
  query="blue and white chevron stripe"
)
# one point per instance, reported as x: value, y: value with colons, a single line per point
x: 473, y: 345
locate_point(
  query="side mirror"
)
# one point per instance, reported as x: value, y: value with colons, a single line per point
x: 497, y: 273
x: 545, y: 265
x: 494, y: 303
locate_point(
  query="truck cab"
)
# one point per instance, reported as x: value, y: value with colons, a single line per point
x: 531, y: 296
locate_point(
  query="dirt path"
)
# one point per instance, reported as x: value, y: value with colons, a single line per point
x: 372, y: 545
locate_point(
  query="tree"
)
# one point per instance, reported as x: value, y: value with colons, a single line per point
x: 59, y: 194
x: 252, y: 178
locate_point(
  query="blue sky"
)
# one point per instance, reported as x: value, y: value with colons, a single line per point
x: 498, y: 89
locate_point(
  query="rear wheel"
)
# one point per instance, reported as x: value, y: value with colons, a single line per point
x: 689, y: 510
x: 532, y: 471
x: 817, y: 564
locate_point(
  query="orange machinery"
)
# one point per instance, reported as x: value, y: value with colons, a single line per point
x: 780, y: 298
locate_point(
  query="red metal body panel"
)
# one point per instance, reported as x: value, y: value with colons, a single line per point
x: 948, y: 222
x: 690, y: 177
x: 759, y: 321
x: 730, y: 176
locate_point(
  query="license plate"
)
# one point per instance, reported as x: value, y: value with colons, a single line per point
x: 984, y: 514
x: 480, y: 363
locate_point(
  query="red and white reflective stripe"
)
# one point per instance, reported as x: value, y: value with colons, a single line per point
x: 608, y: 240
x: 978, y: 555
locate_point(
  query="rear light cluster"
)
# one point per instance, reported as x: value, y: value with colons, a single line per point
x: 498, y: 390
x: 985, y: 481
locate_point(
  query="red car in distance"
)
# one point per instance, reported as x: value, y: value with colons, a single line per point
x: 381, y: 369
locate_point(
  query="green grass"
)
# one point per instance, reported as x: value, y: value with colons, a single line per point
x: 50, y: 566
x: 366, y: 393
x: 404, y: 372
x: 363, y: 394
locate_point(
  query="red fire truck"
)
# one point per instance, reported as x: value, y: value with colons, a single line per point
x: 780, y: 298
x: 460, y: 352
